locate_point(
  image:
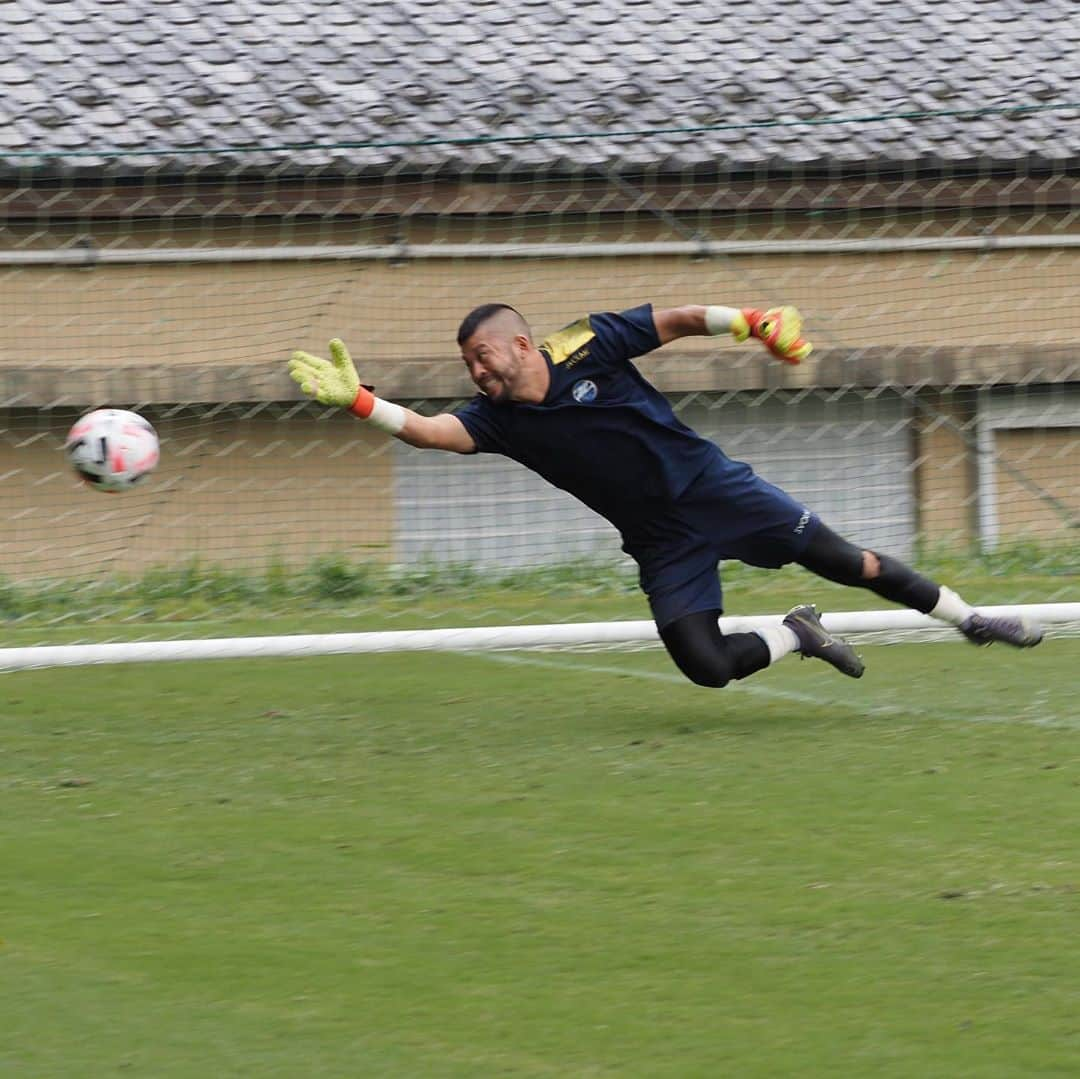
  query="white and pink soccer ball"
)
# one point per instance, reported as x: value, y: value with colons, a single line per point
x: 112, y: 449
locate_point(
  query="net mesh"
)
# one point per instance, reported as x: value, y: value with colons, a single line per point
x: 938, y: 418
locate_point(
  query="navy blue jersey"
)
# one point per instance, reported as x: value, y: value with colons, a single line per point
x: 603, y: 432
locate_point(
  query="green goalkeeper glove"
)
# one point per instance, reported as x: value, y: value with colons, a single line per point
x: 335, y: 382
x: 330, y: 382
x: 778, y: 329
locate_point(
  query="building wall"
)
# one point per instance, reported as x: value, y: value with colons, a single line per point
x: 221, y: 331
x: 846, y: 461
x: 284, y: 486
x: 237, y: 491
x: 943, y: 436
x: 231, y: 492
x: 1038, y: 483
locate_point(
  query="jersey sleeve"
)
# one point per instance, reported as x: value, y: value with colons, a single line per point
x: 481, y: 419
x: 621, y: 337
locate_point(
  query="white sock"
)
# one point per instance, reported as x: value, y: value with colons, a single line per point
x: 780, y: 640
x: 951, y: 608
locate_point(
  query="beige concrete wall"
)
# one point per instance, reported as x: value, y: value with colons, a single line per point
x: 222, y: 331
x: 252, y: 313
x: 945, y: 478
x: 244, y: 493
x: 230, y: 492
x: 1049, y: 462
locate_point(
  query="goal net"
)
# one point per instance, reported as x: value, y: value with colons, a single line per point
x: 938, y: 418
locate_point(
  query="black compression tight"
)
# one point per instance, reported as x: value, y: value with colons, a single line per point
x: 708, y: 657
x: 836, y: 559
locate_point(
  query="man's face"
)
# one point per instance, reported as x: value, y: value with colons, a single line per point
x: 494, y: 362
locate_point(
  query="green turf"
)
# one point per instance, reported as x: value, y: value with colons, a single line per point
x: 542, y: 865
x: 200, y: 603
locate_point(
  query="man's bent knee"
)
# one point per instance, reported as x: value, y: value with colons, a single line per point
x: 709, y: 677
x: 706, y: 656
x: 703, y: 666
x: 871, y: 565
x: 900, y: 583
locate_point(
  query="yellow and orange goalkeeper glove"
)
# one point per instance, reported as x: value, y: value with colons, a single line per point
x: 778, y: 329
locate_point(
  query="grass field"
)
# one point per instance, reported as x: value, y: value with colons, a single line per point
x: 543, y: 865
x: 335, y: 595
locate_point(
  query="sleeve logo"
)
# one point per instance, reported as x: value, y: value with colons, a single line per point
x: 570, y: 345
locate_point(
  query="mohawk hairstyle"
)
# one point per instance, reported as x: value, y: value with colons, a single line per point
x: 479, y: 315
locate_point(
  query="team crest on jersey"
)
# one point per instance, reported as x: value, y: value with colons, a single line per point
x: 584, y: 391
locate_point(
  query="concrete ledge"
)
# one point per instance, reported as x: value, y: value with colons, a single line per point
x: 45, y: 386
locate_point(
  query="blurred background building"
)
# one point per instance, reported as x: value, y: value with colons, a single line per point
x: 190, y: 191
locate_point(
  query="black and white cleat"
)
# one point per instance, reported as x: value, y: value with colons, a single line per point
x: 815, y: 641
x: 984, y: 629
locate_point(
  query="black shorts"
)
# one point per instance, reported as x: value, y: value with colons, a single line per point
x: 719, y: 516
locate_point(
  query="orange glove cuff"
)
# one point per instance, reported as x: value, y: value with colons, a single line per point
x: 363, y: 404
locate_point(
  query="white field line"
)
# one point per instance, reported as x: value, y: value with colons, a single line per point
x: 757, y: 689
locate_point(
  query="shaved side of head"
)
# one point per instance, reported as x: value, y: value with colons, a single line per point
x: 501, y: 318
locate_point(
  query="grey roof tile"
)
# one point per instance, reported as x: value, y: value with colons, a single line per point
x: 153, y: 76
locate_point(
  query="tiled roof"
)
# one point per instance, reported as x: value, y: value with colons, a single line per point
x: 424, y: 84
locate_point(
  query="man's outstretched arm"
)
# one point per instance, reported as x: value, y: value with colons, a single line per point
x: 779, y: 329
x: 335, y: 382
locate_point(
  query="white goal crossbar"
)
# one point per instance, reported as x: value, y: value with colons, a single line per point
x: 486, y: 638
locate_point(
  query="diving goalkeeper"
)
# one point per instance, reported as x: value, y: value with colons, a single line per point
x: 575, y: 410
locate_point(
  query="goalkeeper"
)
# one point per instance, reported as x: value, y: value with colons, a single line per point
x: 575, y: 410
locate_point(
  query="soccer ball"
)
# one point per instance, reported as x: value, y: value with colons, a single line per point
x: 112, y: 449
